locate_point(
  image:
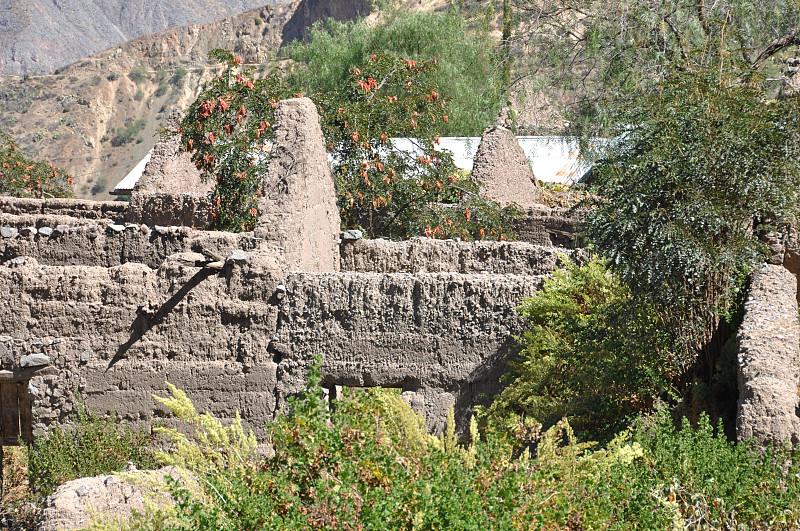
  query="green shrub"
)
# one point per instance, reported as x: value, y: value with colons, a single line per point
x: 95, y: 81
x: 178, y: 76
x: 703, y: 164
x: 590, y: 354
x: 369, y: 463
x: 162, y: 89
x: 138, y: 74
x: 128, y: 133
x: 92, y: 446
x: 139, y: 95
x: 710, y: 481
x: 113, y: 76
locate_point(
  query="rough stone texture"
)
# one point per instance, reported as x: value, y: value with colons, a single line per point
x: 188, y: 210
x: 100, y: 245
x: 77, y: 503
x: 542, y: 225
x: 71, y: 208
x: 298, y: 211
x: 501, y: 166
x: 241, y: 338
x: 171, y: 191
x: 769, y: 360
x: 444, y: 338
x: 426, y: 255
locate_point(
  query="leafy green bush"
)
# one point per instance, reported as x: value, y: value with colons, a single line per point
x: 128, y: 133
x: 467, y: 73
x: 590, y: 354
x: 22, y: 177
x: 178, y: 75
x: 714, y: 483
x: 369, y: 463
x: 162, y: 89
x: 701, y: 166
x: 92, y: 446
x: 139, y: 95
x: 138, y: 74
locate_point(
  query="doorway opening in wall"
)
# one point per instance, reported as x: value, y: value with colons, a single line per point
x: 334, y: 392
x: 15, y: 419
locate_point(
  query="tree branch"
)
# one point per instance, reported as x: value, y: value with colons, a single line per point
x: 790, y: 39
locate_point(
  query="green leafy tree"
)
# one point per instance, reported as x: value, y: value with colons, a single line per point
x: 228, y: 130
x: 467, y: 75
x: 23, y: 177
x: 584, y: 56
x: 389, y: 193
x: 702, y: 164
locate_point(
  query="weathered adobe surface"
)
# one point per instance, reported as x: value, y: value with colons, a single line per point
x: 112, y: 310
x: 769, y: 360
x: 242, y: 338
x: 424, y: 255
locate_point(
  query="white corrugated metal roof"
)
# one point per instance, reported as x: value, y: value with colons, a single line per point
x: 554, y: 159
x: 125, y: 186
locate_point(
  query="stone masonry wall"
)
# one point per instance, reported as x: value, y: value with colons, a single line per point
x: 769, y: 359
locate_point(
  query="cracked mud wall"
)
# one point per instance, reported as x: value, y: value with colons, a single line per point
x: 242, y: 338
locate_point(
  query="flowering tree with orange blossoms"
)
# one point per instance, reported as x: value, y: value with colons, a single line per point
x: 22, y: 177
x: 228, y: 130
x: 393, y: 193
x: 382, y: 190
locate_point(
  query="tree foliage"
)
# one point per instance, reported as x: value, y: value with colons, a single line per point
x: 589, y: 353
x: 228, y: 129
x: 702, y: 164
x: 23, y: 177
x: 467, y: 72
x: 589, y: 54
x: 390, y: 192
x: 387, y: 192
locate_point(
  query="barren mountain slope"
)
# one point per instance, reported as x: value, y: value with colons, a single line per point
x: 38, y: 36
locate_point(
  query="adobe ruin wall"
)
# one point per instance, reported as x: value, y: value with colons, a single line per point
x: 97, y: 304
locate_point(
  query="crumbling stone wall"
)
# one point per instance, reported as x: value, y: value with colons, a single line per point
x: 769, y: 359
x: 111, y: 306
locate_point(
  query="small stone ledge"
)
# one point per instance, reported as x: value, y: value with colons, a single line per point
x: 769, y: 360
x: 426, y: 255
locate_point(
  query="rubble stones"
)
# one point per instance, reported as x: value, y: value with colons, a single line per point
x: 34, y: 360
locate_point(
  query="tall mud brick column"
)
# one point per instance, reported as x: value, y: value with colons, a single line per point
x: 769, y: 360
x: 298, y: 212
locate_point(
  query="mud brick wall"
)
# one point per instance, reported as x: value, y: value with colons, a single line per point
x: 241, y: 339
x: 769, y: 360
x: 425, y: 255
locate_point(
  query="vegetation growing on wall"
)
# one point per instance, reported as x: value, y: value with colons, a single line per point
x: 23, y: 177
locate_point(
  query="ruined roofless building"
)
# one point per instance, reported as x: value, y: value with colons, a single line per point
x: 98, y: 302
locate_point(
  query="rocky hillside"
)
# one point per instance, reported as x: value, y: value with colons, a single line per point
x: 97, y: 118
x: 38, y: 36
